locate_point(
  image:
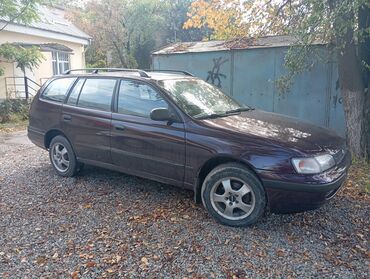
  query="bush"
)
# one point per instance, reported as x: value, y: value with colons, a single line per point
x: 14, y: 106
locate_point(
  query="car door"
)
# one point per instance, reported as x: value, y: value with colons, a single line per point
x: 140, y: 145
x: 86, y: 117
x: 45, y: 113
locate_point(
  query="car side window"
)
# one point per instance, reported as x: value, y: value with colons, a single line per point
x: 138, y: 99
x: 58, y: 89
x: 97, y: 94
x: 75, y: 92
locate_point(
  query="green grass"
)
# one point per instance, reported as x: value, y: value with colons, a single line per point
x: 16, y: 123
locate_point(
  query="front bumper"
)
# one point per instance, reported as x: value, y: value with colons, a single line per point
x: 295, y: 193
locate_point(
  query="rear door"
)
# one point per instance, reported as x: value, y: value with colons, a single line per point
x: 86, y: 117
x: 141, y: 146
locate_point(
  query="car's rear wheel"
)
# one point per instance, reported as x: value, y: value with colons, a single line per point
x: 62, y: 157
x: 233, y: 195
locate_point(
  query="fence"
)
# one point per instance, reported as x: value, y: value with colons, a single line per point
x: 249, y: 75
x: 20, y: 87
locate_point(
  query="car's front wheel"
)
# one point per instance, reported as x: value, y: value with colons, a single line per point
x: 62, y: 157
x: 233, y: 195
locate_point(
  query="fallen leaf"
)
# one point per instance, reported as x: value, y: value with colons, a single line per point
x: 280, y: 252
x: 41, y: 260
x: 144, y: 260
x: 90, y: 264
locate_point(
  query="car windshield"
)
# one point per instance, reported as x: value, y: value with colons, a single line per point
x: 201, y: 100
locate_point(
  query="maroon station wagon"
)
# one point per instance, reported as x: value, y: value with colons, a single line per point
x: 174, y: 128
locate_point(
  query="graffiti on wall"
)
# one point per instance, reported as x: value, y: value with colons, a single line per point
x: 214, y: 75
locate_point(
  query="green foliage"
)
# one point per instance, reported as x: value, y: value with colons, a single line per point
x: 141, y: 22
x: 175, y: 15
x: 21, y: 11
x: 5, y: 111
x: 13, y: 107
x: 297, y: 60
x: 26, y: 58
x: 95, y: 57
x: 125, y: 32
x: 335, y: 22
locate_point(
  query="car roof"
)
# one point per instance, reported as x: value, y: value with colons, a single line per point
x: 136, y: 74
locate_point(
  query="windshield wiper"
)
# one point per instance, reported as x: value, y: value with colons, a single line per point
x: 238, y: 110
x: 210, y: 116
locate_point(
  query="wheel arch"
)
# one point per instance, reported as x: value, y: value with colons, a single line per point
x: 212, y: 163
x: 52, y: 134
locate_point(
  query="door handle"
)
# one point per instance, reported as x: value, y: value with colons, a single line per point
x: 119, y: 127
x: 67, y: 117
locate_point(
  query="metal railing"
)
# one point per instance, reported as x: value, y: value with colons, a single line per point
x: 20, y: 87
x: 97, y: 70
x: 142, y: 73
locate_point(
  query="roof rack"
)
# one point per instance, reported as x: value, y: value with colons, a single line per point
x: 96, y: 70
x: 172, y: 71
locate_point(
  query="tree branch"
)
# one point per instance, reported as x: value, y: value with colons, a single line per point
x: 283, y: 5
x: 17, y: 15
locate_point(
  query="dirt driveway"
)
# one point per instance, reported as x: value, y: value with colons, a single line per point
x: 106, y: 224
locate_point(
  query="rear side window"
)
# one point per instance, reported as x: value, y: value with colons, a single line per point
x: 57, y: 89
x: 97, y: 94
x: 138, y: 99
x: 75, y: 92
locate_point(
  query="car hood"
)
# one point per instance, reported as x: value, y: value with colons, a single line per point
x: 287, y: 131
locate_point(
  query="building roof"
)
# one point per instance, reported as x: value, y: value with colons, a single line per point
x: 45, y: 47
x: 53, y: 20
x: 241, y: 43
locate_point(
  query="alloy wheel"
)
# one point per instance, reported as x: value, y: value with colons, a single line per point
x: 232, y: 198
x: 60, y: 157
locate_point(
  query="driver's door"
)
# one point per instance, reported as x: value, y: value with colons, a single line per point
x: 140, y: 145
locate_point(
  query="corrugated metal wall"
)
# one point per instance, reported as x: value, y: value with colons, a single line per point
x: 249, y: 75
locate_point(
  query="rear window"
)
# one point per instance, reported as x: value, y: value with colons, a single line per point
x: 97, y: 94
x: 58, y: 89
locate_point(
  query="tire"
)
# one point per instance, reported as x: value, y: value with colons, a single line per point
x: 233, y: 195
x: 62, y: 157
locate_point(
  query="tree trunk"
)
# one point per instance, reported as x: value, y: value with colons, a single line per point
x: 364, y: 53
x: 367, y: 120
x: 351, y: 84
x: 119, y: 53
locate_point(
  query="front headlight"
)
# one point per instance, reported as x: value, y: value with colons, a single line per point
x: 313, y: 165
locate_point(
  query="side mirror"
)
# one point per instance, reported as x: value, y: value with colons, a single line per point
x: 160, y: 114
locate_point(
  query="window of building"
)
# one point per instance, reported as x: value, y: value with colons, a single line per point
x: 60, y: 62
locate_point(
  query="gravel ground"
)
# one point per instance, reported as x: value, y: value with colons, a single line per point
x: 107, y: 224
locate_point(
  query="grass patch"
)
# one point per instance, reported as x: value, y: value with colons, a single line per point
x: 16, y: 123
x: 13, y: 115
